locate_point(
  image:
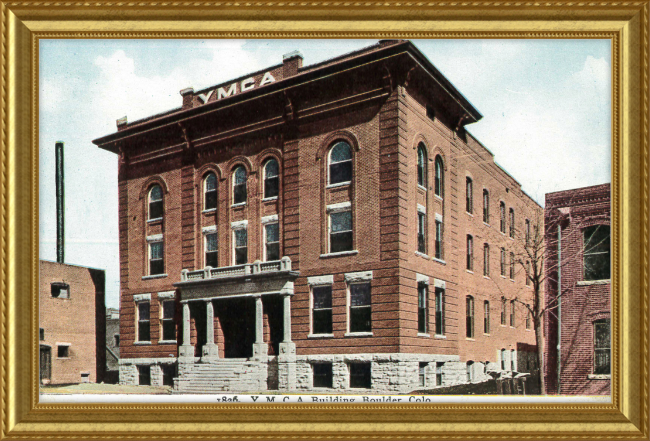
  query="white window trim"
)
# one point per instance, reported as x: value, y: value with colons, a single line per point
x: 362, y: 278
x: 167, y: 295
x: 420, y: 278
x: 264, y: 225
x: 311, y: 305
x: 145, y: 299
x: 358, y: 277
x: 343, y: 206
x: 439, y: 217
x: 243, y: 226
x: 155, y: 238
x: 422, y: 209
x: 270, y: 219
x: 142, y: 297
x: 239, y: 225
x: 206, y: 233
x: 161, y: 318
x: 209, y: 229
x: 320, y: 280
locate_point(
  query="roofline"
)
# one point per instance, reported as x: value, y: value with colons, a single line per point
x: 72, y: 264
x: 304, y: 74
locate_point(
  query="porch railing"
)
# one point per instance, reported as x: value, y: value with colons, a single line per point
x: 256, y: 267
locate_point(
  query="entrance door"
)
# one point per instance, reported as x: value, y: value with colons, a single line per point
x: 45, y: 363
x: 237, y: 318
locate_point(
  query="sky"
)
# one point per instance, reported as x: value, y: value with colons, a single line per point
x: 546, y: 107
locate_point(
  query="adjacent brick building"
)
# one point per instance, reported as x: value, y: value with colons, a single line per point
x: 318, y: 227
x: 577, y: 225
x: 72, y: 323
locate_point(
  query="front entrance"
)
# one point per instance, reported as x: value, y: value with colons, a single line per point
x: 45, y: 364
x: 237, y: 319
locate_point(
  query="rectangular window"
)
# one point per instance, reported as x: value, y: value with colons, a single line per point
x: 156, y: 259
x: 512, y: 222
x: 169, y: 373
x: 272, y: 237
x: 512, y: 266
x: 340, y: 231
x: 360, y: 375
x: 512, y: 313
x: 322, y: 309
x: 421, y: 232
x: 41, y: 334
x: 241, y: 246
x: 422, y: 374
x: 440, y: 311
x: 601, y: 347
x: 438, y: 240
x: 486, y: 260
x: 528, y: 273
x: 322, y: 373
x: 529, y: 318
x: 423, y: 316
x: 502, y: 217
x: 167, y: 320
x: 527, y: 232
x: 513, y: 359
x: 116, y: 338
x: 469, y: 316
x: 439, y: 373
x: 596, y: 253
x: 360, y: 310
x: 63, y: 351
x: 503, y: 311
x: 486, y: 206
x: 486, y: 317
x: 503, y: 262
x: 144, y: 375
x: 212, y: 250
x: 468, y: 195
x: 60, y: 290
x: 144, y: 324
x: 503, y: 359
x: 470, y: 253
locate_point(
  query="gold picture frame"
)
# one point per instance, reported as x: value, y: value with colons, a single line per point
x: 24, y: 23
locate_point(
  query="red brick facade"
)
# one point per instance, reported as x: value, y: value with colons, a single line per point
x: 585, y: 300
x: 72, y: 317
x: 383, y: 102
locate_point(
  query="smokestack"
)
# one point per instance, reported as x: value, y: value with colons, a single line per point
x: 60, y: 203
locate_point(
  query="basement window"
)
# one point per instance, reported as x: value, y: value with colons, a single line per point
x: 60, y: 290
x: 144, y: 375
x: 322, y: 375
x: 63, y: 351
x: 360, y: 375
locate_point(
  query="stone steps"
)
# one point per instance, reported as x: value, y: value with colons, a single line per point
x: 221, y: 376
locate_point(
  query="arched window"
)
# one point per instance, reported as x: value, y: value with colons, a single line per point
x: 156, y: 202
x: 210, y: 192
x: 239, y: 186
x: 340, y: 163
x: 271, y: 179
x: 422, y: 165
x: 439, y: 177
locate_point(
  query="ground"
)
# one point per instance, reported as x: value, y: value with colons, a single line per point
x: 92, y: 388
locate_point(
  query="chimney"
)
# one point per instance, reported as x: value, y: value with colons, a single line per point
x: 60, y: 203
x: 122, y: 123
x: 187, y: 95
x: 291, y: 63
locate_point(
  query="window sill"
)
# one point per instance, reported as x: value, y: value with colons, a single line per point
x: 469, y: 271
x: 435, y: 259
x: 141, y: 343
x: 486, y: 224
x: 417, y: 253
x: 320, y: 336
x: 155, y: 276
x: 440, y: 336
x: 420, y: 187
x: 469, y: 214
x: 470, y: 339
x: 599, y: 377
x: 502, y: 276
x: 63, y: 358
x: 239, y: 205
x: 340, y: 253
x: 338, y: 184
x: 486, y: 277
x: 209, y: 210
x: 155, y: 220
x: 593, y: 282
x: 438, y: 197
x: 422, y: 334
x: 272, y: 198
x: 486, y: 334
x: 358, y: 334
x: 167, y: 342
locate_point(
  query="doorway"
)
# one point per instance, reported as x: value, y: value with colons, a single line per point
x: 45, y: 364
x: 237, y: 318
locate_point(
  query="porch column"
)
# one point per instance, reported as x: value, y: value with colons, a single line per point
x: 186, y: 350
x: 287, y: 319
x: 210, y: 350
x: 260, y: 349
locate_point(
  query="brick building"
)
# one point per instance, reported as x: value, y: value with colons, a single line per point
x: 324, y: 227
x: 72, y: 323
x: 112, y: 345
x: 578, y: 229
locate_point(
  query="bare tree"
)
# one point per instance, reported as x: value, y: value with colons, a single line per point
x: 536, y: 258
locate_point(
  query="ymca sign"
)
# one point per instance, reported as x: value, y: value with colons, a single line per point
x: 244, y: 85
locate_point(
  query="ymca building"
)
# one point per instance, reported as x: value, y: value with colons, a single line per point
x: 328, y: 227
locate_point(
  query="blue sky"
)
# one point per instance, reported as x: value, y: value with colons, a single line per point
x: 546, y: 108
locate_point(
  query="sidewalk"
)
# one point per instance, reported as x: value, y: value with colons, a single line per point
x: 102, y: 388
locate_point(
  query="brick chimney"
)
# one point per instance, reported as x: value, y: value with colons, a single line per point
x: 291, y: 63
x: 187, y: 95
x: 121, y: 123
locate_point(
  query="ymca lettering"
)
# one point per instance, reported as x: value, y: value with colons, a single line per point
x: 244, y: 85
